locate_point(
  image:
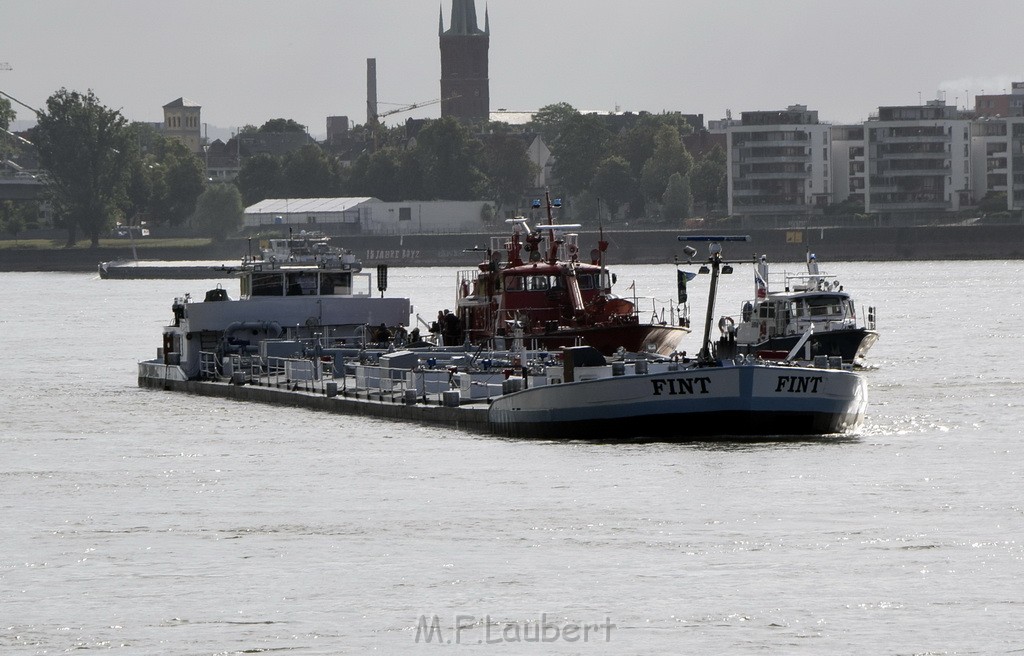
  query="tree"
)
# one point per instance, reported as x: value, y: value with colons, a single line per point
x: 218, y: 211
x: 450, y: 161
x: 637, y: 144
x: 87, y: 149
x: 507, y: 165
x: 15, y: 216
x: 581, y: 147
x: 670, y: 156
x: 613, y: 183
x: 260, y: 178
x: 708, y: 180
x: 377, y: 174
x: 309, y: 173
x: 677, y: 203
x: 6, y: 114
x: 165, y: 181
x: 282, y: 125
x: 550, y: 119
x: 184, y: 178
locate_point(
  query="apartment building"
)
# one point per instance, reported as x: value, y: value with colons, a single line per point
x: 997, y: 148
x: 918, y: 159
x: 778, y: 163
x: 849, y: 164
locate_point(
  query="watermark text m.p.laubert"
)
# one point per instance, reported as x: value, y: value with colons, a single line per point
x: 484, y: 630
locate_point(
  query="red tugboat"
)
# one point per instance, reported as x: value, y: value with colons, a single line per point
x: 533, y: 290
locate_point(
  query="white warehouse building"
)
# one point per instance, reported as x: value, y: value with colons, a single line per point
x: 367, y: 215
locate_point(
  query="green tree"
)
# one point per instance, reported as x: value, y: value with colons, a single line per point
x: 260, y: 178
x: 218, y: 211
x: 670, y: 156
x: 165, y: 181
x: 581, y: 147
x: 507, y: 166
x: 450, y: 161
x: 708, y: 180
x: 994, y: 201
x: 677, y: 203
x: 183, y: 174
x: 6, y: 113
x: 15, y: 216
x: 637, y: 143
x: 310, y: 173
x: 282, y: 125
x: 377, y: 174
x: 550, y: 119
x: 613, y: 183
x: 87, y: 150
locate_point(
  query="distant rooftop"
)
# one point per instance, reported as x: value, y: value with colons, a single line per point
x: 293, y: 205
x: 182, y: 102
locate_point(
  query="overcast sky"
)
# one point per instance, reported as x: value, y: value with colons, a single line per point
x: 249, y: 61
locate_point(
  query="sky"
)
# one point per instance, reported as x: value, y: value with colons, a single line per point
x: 248, y: 61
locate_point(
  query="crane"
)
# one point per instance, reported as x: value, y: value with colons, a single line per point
x: 375, y: 117
x: 4, y: 66
x: 375, y: 121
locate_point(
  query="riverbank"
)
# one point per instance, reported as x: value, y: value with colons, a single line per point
x: 831, y: 244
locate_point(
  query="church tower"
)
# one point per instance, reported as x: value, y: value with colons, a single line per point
x: 465, y: 86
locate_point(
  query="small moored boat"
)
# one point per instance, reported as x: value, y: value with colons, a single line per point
x: 811, y: 312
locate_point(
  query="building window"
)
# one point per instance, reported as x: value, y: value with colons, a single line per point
x: 405, y: 214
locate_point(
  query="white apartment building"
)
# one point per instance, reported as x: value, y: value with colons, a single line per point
x: 849, y: 164
x: 778, y: 163
x: 918, y: 159
x: 997, y: 150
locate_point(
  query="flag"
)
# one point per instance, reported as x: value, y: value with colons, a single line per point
x: 681, y: 278
x: 760, y: 285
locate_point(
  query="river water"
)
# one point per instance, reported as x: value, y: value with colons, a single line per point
x: 149, y: 522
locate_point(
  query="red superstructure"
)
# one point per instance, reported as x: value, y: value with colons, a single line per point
x: 533, y: 286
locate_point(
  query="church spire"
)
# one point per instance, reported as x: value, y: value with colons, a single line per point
x: 464, y: 19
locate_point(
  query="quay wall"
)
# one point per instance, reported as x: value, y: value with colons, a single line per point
x: 365, y: 404
x: 830, y: 244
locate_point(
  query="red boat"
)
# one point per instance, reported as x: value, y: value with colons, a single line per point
x: 533, y: 290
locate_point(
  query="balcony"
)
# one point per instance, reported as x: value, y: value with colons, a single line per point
x: 905, y: 206
x: 772, y: 159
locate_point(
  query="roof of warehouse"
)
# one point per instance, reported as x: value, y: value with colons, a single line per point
x: 306, y: 205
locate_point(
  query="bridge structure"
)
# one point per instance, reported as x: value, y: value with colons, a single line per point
x: 21, y: 189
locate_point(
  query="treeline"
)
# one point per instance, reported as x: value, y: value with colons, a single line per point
x: 641, y: 170
x: 103, y: 170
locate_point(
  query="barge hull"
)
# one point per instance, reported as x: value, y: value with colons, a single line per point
x: 366, y: 404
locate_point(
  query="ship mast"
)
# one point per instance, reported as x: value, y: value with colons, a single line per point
x: 718, y: 266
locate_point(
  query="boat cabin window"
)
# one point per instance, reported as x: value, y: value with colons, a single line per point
x: 586, y: 281
x: 514, y: 284
x: 818, y: 306
x: 301, y: 283
x: 536, y: 283
x: 335, y: 282
x: 267, y: 284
